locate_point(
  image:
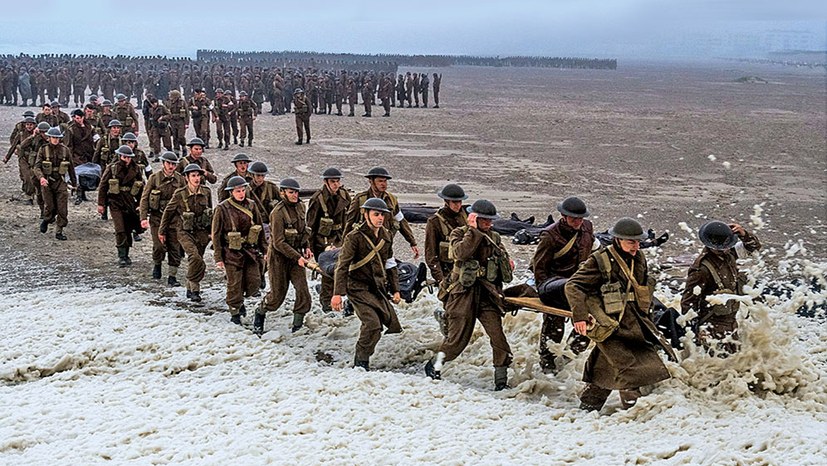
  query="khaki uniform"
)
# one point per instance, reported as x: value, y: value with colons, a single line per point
x: 560, y: 251
x: 238, y: 241
x: 367, y: 284
x: 209, y: 173
x: 266, y: 196
x: 159, y: 129
x: 627, y: 359
x: 79, y: 140
x: 52, y: 163
x: 303, y: 111
x: 247, y: 111
x: 200, y: 113
x: 120, y: 187
x: 437, y: 234
x: 126, y: 114
x: 105, y: 151
x: 479, y: 300
x: 178, y: 118
x: 288, y: 240
x: 326, y: 220
x: 26, y: 158
x: 715, y: 273
x: 190, y: 214
x: 394, y: 221
x: 157, y: 193
x: 221, y: 111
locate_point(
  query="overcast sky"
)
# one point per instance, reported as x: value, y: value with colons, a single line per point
x: 595, y: 28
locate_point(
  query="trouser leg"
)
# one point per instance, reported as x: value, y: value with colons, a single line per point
x: 593, y: 397
x: 370, y: 331
x: 492, y: 323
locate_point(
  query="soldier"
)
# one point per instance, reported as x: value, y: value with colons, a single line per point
x: 394, y: 220
x: 385, y: 91
x: 48, y: 116
x: 125, y: 112
x: 239, y: 243
x: 400, y: 90
x: 367, y: 97
x: 423, y: 86
x: 715, y: 271
x: 63, y: 117
x: 196, y: 156
x: 241, y: 162
x: 79, y: 87
x: 80, y: 138
x: 562, y: 248
x: 474, y: 291
x: 200, y: 113
x: 21, y: 131
x: 437, y: 82
x: 140, y: 159
x: 106, y: 114
x: 120, y: 188
x: 265, y: 193
x: 437, y: 235
x: 287, y: 256
x: 189, y: 213
x: 26, y: 157
x: 90, y: 117
x: 221, y: 118
x: 53, y: 163
x: 232, y: 110
x: 178, y: 119
x: 105, y: 149
x: 366, y: 272
x: 303, y: 112
x: 157, y: 193
x: 416, y: 89
x: 338, y: 95
x: 326, y: 220
x: 610, y: 302
x: 352, y: 93
x: 247, y: 111
x: 409, y: 86
x: 159, y: 127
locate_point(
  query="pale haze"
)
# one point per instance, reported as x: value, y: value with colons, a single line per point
x: 593, y: 28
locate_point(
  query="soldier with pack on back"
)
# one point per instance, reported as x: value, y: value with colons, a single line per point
x: 27, y: 156
x: 241, y: 163
x: 562, y: 248
x: 200, y: 111
x: 121, y: 186
x: 437, y: 245
x: 474, y: 289
x: 221, y: 117
x: 178, y: 119
x: 247, y: 111
x: 287, y: 257
x: 53, y: 163
x: 160, y: 187
x: 366, y: 272
x: 125, y: 112
x: 238, y: 241
x: 326, y: 220
x: 610, y: 296
x: 189, y: 213
x: 714, y: 272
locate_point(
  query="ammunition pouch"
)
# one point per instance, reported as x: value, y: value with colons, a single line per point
x: 445, y: 251
x: 325, y: 226
x: 506, y: 274
x: 31, y: 158
x: 614, y: 299
x: 234, y: 240
x: 136, y: 188
x: 291, y: 236
x: 114, y: 186
x: 188, y: 221
x: 468, y: 272
x: 46, y: 167
x: 492, y: 270
x: 204, y: 221
x: 253, y: 234
x: 731, y: 306
x: 64, y: 168
x: 155, y: 199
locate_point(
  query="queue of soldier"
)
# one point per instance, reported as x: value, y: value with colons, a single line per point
x: 262, y: 233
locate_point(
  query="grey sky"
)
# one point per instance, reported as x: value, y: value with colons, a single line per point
x: 598, y: 28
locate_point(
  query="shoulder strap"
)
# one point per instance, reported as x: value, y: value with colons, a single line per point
x: 715, y: 276
x: 323, y: 204
x: 625, y: 268
x: 566, y: 248
x: 240, y: 207
x: 443, y: 224
x: 375, y: 248
x: 602, y: 257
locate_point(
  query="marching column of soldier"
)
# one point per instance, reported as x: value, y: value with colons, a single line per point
x: 262, y: 232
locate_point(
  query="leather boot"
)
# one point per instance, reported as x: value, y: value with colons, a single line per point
x: 258, y: 324
x: 298, y: 322
x: 126, y: 256
x: 122, y: 257
x: 235, y: 318
x: 156, y: 272
x: 363, y: 364
x: 431, y: 372
x: 500, y: 378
